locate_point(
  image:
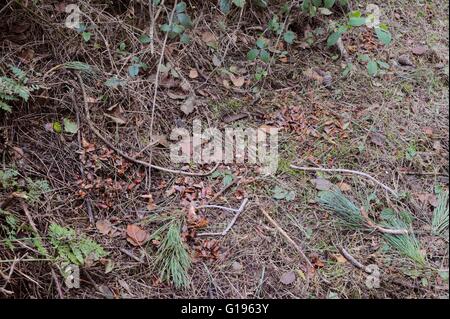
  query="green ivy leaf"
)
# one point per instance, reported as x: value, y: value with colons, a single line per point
x: 372, y: 68
x: 265, y: 56
x: 184, y: 19
x: 329, y: 3
x: 133, y: 70
x: 181, y: 7
x: 239, y: 3
x: 113, y: 82
x: 261, y: 43
x: 252, y: 54
x: 70, y: 126
x: 165, y: 28
x: 145, y: 39
x: 357, y: 21
x: 225, y: 6
x: 185, y: 39
x: 384, y: 36
x: 86, y: 36
x: 334, y: 38
x: 289, y: 37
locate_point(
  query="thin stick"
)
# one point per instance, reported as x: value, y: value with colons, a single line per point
x: 58, y: 285
x: 346, y: 171
x: 155, y: 94
x: 352, y: 259
x: 223, y: 190
x: 122, y: 153
x: 232, y: 222
x: 286, y: 236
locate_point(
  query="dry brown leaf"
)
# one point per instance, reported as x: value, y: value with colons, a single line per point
x: 419, y: 50
x: 322, y: 184
x: 288, y: 278
x: 193, y: 74
x: 136, y: 235
x: 104, y: 227
x: 237, y: 81
x: 313, y: 76
x: 189, y: 105
x: 151, y: 203
x: 344, y: 187
x: 209, y: 38
x: 339, y: 258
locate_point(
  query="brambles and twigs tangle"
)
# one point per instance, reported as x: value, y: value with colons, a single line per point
x: 232, y: 222
x: 122, y: 153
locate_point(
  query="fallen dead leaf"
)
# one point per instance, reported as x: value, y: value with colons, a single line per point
x: 237, y: 81
x: 151, y: 203
x: 103, y: 226
x: 288, y: 278
x: 405, y: 60
x: 322, y: 184
x: 189, y: 105
x: 344, y: 187
x: 339, y: 258
x: 136, y: 235
x: 209, y: 38
x: 193, y: 74
x: 419, y: 50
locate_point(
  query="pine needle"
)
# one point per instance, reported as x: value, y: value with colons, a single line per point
x: 173, y: 260
x: 345, y: 209
x: 407, y: 245
x: 440, y: 215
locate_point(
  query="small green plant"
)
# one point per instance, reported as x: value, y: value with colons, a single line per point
x: 35, y: 189
x: 260, y: 51
x: 73, y: 249
x: 181, y: 22
x: 440, y: 215
x: 8, y: 178
x: 13, y: 88
x: 355, y: 19
x: 314, y: 7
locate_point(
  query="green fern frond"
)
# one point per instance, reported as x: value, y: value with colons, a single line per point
x: 19, y: 74
x: 11, y: 89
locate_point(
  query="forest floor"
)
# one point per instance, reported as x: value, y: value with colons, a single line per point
x: 393, y: 126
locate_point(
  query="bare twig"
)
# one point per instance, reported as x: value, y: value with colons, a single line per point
x: 232, y: 222
x: 346, y: 171
x: 287, y: 237
x: 58, y: 285
x: 155, y: 94
x: 352, y: 259
x: 122, y: 153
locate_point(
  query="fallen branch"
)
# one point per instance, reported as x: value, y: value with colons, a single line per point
x: 232, y: 222
x: 287, y: 237
x: 346, y: 171
x: 125, y: 155
x: 352, y: 259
